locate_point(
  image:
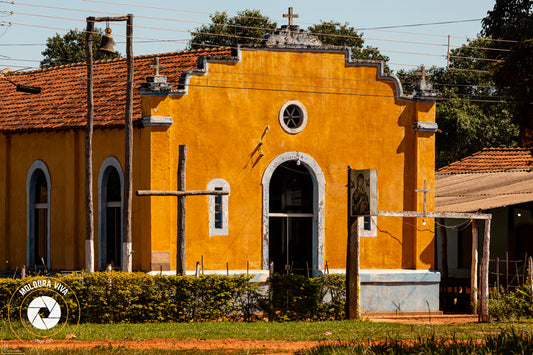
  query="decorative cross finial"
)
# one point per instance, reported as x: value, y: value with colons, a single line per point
x: 425, y: 191
x: 291, y: 16
x: 422, y: 73
x: 156, y: 66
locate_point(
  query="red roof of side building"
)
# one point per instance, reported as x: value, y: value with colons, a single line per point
x: 492, y: 160
x: 62, y: 103
x: 491, y: 178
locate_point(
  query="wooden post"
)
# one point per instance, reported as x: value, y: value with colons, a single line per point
x: 181, y: 266
x: 352, y: 262
x: 507, y: 272
x: 352, y: 270
x: 530, y: 275
x: 443, y: 249
x: 89, y: 228
x: 498, y: 277
x: 127, y: 248
x: 473, y: 269
x: 484, y: 315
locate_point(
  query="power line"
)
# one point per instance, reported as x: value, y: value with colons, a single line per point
x: 234, y: 36
x: 239, y: 26
x: 420, y: 24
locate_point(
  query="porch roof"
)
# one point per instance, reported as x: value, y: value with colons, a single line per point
x: 491, y: 178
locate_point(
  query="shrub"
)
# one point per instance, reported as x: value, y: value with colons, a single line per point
x: 121, y: 297
x: 512, y: 306
x: 114, y: 297
x: 296, y: 297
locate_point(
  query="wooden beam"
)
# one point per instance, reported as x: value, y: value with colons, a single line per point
x: 458, y: 215
x: 127, y: 243
x: 443, y: 249
x: 180, y: 193
x: 352, y: 263
x: 181, y: 265
x: 353, y: 280
x: 89, y: 210
x: 473, y: 269
x: 484, y: 305
x: 110, y: 19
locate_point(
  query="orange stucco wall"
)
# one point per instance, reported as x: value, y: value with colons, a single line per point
x: 353, y: 119
x: 63, y: 152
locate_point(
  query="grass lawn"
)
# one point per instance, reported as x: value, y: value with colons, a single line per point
x: 355, y: 331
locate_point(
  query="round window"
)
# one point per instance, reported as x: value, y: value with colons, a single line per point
x: 293, y: 117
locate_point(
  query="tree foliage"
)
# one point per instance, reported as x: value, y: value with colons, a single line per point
x: 515, y: 74
x: 471, y: 113
x: 70, y: 48
x: 334, y: 34
x: 512, y: 20
x: 250, y: 27
x: 509, y: 20
x: 247, y: 27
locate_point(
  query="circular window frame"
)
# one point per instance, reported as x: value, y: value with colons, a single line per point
x: 303, y: 112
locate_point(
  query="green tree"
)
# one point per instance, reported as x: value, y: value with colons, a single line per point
x: 334, y: 34
x: 70, y: 48
x: 471, y: 113
x: 248, y: 27
x: 515, y: 74
x: 509, y: 20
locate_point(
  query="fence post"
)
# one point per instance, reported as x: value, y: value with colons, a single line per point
x: 498, y: 276
x: 474, y: 269
x: 507, y: 272
x: 530, y: 275
x: 484, y: 315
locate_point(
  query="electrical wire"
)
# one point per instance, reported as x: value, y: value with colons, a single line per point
x: 247, y: 27
x: 387, y: 51
x: 181, y: 41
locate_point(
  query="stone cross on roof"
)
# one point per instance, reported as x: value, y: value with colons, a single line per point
x: 291, y: 16
x: 156, y: 66
x: 422, y: 73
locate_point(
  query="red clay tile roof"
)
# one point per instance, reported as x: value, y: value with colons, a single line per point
x: 62, y: 103
x: 492, y: 160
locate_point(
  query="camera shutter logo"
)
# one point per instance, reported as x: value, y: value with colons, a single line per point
x: 34, y: 310
x: 41, y: 308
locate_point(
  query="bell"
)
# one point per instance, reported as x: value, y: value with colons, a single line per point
x: 106, y: 46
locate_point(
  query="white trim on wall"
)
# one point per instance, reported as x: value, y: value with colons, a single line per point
x: 220, y: 183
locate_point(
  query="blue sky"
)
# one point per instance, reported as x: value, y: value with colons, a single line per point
x: 164, y: 25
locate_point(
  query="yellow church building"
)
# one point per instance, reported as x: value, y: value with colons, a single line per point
x: 275, y: 125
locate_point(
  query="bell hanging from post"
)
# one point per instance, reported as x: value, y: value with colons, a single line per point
x: 106, y: 46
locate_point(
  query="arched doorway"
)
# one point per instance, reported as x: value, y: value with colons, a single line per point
x: 110, y: 185
x: 38, y: 215
x: 291, y: 218
x: 293, y: 214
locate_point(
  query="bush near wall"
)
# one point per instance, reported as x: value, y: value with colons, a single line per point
x: 511, y: 306
x: 112, y: 297
x: 296, y: 297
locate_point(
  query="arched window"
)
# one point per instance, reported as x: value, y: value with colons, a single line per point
x: 218, y: 208
x: 110, y: 193
x: 38, y: 215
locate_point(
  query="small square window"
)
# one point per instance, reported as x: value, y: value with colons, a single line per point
x: 218, y: 208
x: 369, y: 227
